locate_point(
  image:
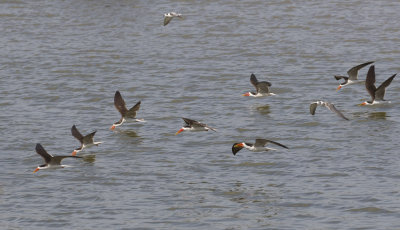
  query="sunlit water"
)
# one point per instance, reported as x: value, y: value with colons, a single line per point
x: 62, y: 61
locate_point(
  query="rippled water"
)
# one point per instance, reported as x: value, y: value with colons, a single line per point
x: 62, y: 61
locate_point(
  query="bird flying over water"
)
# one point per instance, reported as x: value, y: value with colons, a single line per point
x: 262, y: 88
x: 377, y: 94
x: 330, y: 106
x: 258, y: 146
x: 192, y: 125
x: 50, y: 161
x: 353, y: 75
x: 86, y: 141
x: 126, y: 114
x: 169, y: 16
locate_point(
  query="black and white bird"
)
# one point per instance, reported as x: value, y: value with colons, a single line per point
x: 262, y: 88
x: 169, y: 16
x: 126, y: 114
x: 330, y: 106
x: 353, y: 76
x: 192, y: 125
x: 377, y: 94
x: 258, y: 146
x: 86, y: 141
x: 50, y: 161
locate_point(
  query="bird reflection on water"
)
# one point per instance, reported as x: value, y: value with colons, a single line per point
x: 377, y: 115
x: 129, y: 133
x: 89, y: 158
x: 264, y: 109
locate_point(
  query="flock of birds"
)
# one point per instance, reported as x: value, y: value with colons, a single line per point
x: 262, y: 90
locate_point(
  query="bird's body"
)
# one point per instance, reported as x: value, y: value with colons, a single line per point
x: 262, y: 88
x: 377, y: 94
x: 258, y: 146
x: 352, y: 76
x: 193, y: 126
x: 330, y: 106
x: 169, y: 16
x: 86, y: 141
x: 50, y: 161
x: 126, y: 115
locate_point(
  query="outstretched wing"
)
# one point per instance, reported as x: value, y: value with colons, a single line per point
x: 167, y: 20
x: 190, y: 122
x: 193, y: 123
x: 57, y: 159
x: 313, y: 107
x: 263, y: 87
x: 42, y: 152
x: 380, y: 91
x: 370, y: 82
x: 332, y: 108
x: 88, y: 139
x: 263, y: 142
x: 337, y: 77
x: 76, y: 133
x: 254, y: 80
x: 211, y: 128
x: 119, y: 104
x: 353, y: 72
x: 133, y: 111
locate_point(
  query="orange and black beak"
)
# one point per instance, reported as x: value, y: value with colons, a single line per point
x: 240, y: 145
x: 37, y: 169
x: 179, y: 131
x: 246, y: 94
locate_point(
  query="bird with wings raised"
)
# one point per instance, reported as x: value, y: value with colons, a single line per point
x: 126, y: 114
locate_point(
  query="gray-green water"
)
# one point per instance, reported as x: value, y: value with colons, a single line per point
x: 62, y: 61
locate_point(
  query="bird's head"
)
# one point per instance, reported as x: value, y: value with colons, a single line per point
x: 39, y: 167
x: 236, y: 147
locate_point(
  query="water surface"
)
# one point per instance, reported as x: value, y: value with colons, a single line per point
x: 62, y: 61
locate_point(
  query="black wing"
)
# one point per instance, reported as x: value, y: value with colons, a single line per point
x: 42, y: 152
x: 57, y: 159
x: 313, y: 107
x: 263, y: 87
x: 370, y: 82
x: 337, y: 77
x: 167, y: 20
x: 190, y: 122
x: 88, y: 139
x: 76, y: 133
x: 346, y: 79
x: 332, y: 108
x: 263, y: 142
x: 353, y: 72
x: 254, y: 80
x: 119, y: 104
x: 133, y: 111
x: 380, y: 91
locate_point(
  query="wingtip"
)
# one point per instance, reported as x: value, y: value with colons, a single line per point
x: 38, y: 146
